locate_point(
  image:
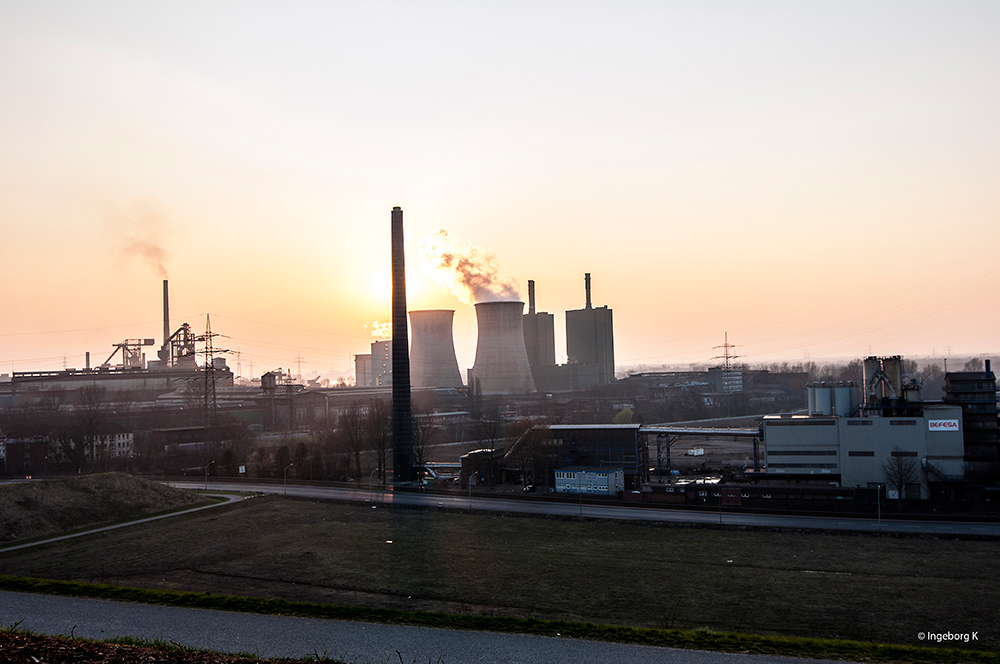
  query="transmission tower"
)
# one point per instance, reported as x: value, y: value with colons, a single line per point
x: 209, y: 351
x: 726, y: 356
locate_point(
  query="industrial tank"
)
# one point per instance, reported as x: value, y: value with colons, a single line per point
x: 820, y: 399
x: 501, y: 365
x: 432, y: 349
x: 845, y: 399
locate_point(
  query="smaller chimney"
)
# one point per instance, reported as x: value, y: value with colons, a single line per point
x: 586, y: 281
x: 531, y: 297
x: 987, y: 366
x: 88, y: 362
x: 166, y: 313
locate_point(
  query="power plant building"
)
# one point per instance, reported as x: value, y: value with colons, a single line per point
x: 590, y: 343
x: 374, y: 369
x: 539, y: 338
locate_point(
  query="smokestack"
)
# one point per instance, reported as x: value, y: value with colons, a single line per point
x: 501, y: 359
x: 402, y: 407
x: 531, y: 296
x: 586, y: 283
x: 166, y: 313
x: 432, y: 356
x: 88, y: 362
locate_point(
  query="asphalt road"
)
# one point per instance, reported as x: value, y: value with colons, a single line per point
x: 887, y: 525
x: 359, y: 643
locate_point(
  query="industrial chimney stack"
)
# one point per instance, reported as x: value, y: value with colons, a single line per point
x: 402, y: 407
x: 164, y: 352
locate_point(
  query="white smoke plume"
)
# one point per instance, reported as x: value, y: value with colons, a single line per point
x: 470, y: 273
x: 139, y: 229
x: 380, y: 330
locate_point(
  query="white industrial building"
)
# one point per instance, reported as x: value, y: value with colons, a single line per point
x: 849, y: 445
x: 596, y: 480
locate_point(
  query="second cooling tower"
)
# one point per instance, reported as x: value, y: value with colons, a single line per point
x: 432, y: 351
x: 501, y: 360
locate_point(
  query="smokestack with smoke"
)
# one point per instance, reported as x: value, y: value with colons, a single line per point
x: 468, y: 272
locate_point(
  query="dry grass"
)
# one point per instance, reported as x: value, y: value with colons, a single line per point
x: 834, y: 586
x: 30, y: 510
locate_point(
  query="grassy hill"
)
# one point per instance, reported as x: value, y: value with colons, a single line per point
x: 35, y: 509
x: 835, y: 586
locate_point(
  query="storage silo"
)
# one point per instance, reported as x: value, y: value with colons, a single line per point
x: 845, y: 399
x: 432, y: 349
x: 501, y: 365
x: 820, y: 399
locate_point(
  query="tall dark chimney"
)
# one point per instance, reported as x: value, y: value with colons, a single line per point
x: 402, y: 407
x: 586, y: 283
x: 164, y: 352
x: 531, y: 297
x: 166, y: 313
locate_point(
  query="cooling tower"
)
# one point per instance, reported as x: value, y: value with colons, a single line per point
x: 432, y: 350
x: 501, y: 361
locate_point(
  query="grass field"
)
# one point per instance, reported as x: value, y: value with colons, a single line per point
x: 30, y: 510
x: 800, y: 584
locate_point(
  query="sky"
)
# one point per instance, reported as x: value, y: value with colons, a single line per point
x: 813, y: 179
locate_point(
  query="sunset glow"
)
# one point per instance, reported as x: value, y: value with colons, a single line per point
x: 819, y: 180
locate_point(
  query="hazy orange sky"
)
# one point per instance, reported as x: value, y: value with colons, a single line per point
x: 818, y: 179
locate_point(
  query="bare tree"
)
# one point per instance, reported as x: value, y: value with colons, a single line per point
x: 378, y: 423
x: 490, y: 429
x: 89, y: 423
x: 525, y: 448
x: 899, y: 470
x: 352, y: 432
x: 973, y: 364
x: 424, y: 433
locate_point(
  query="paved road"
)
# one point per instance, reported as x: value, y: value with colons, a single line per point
x: 611, y: 512
x: 227, y: 498
x: 281, y: 636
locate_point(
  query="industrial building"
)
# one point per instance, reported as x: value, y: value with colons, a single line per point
x: 976, y: 393
x: 598, y: 481
x: 374, y: 369
x: 565, y: 446
x: 847, y: 444
x: 590, y: 342
x: 539, y: 338
x: 515, y: 351
x: 176, y: 369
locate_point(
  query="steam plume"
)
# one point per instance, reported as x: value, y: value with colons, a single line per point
x: 140, y: 228
x: 470, y: 273
x: 380, y: 330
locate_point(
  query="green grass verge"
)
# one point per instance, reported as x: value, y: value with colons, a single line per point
x: 205, y: 502
x: 673, y: 638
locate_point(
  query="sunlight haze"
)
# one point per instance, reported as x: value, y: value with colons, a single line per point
x: 818, y: 180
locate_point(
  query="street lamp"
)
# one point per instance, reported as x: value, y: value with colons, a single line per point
x: 371, y: 479
x: 207, y: 466
x: 284, y: 477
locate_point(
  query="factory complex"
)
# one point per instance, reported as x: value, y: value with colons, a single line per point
x: 725, y: 435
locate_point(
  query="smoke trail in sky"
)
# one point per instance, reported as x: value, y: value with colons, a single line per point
x: 139, y: 229
x: 470, y: 273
